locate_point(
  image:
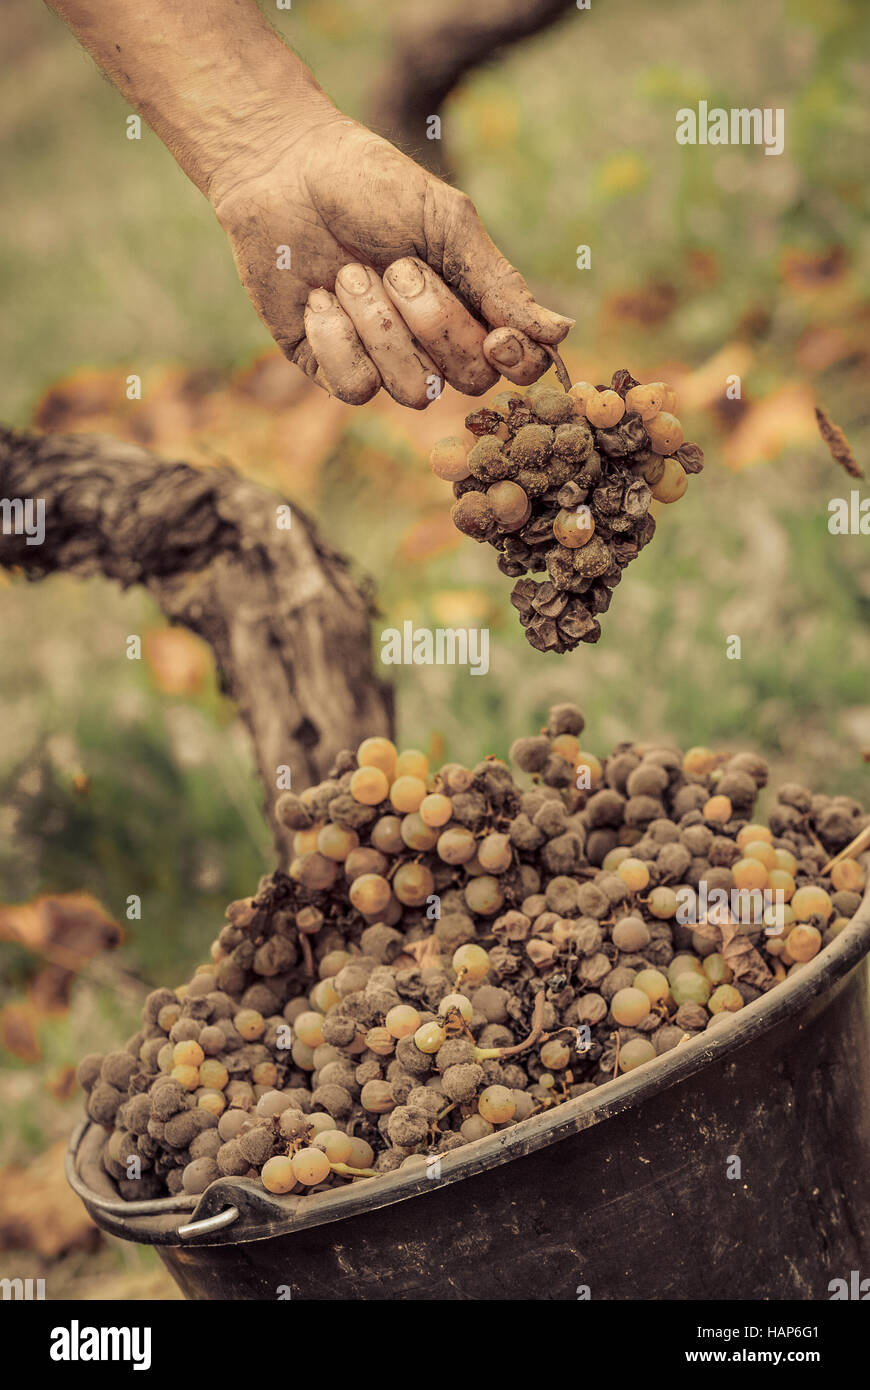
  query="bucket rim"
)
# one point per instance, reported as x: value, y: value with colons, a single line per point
x: 151, y: 1222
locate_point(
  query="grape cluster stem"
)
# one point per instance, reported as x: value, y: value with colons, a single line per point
x: 562, y: 373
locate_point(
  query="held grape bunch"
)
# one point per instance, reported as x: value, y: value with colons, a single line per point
x: 562, y: 483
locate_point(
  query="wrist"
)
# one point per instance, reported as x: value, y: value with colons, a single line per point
x: 247, y: 140
x: 219, y: 88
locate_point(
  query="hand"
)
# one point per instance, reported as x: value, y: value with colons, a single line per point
x: 375, y: 241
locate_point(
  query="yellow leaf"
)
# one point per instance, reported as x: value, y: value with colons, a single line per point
x: 178, y: 660
x: 431, y: 535
x: 786, y: 416
x: 706, y: 385
x: 621, y: 173
x: 460, y: 607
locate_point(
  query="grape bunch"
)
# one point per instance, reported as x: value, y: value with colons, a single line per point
x: 451, y: 952
x: 561, y: 483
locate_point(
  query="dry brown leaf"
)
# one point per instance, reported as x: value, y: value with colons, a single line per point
x: 812, y: 270
x: 62, y: 1083
x: 18, y: 1031
x: 768, y: 426
x: 650, y: 305
x: 80, y: 401
x: 743, y: 959
x: 65, y: 930
x: 39, y: 1210
x: 703, y: 387
x: 426, y: 953
x: 838, y: 445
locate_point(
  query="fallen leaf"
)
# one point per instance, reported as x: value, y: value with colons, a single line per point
x: 426, y: 953
x: 705, y: 386
x: 79, y: 400
x: 178, y: 660
x: 743, y: 959
x: 432, y: 535
x: 650, y: 306
x: 65, y: 930
x: 272, y: 381
x: 784, y: 417
x: 39, y: 1210
x: 62, y: 1084
x: 810, y: 270
x: 18, y: 1031
x: 821, y: 346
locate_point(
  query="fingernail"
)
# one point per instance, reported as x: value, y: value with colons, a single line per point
x: 406, y: 278
x: 354, y: 279
x: 507, y: 352
x: 320, y: 301
x: 557, y: 320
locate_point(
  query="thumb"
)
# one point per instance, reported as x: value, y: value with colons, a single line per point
x: 474, y: 264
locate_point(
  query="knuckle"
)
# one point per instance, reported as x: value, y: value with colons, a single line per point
x: 464, y: 208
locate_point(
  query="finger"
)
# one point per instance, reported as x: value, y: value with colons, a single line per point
x: 342, y: 360
x: 517, y: 357
x: 474, y: 264
x: 407, y: 371
x: 453, y: 339
x: 304, y: 358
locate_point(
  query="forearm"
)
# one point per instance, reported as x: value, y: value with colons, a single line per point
x: 213, y: 82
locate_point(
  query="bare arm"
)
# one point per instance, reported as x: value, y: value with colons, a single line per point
x: 366, y: 269
x: 209, y: 81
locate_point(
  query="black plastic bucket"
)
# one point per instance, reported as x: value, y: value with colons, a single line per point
x: 734, y: 1166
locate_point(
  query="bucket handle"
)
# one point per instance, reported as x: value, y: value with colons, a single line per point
x: 209, y: 1223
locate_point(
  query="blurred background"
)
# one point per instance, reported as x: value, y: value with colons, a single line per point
x: 123, y: 777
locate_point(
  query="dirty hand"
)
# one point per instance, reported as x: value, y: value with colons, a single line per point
x: 366, y: 270
x: 387, y: 277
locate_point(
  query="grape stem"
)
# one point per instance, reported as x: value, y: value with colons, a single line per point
x: 307, y: 954
x: 816, y: 841
x: 486, y: 1054
x: 561, y: 369
x: 852, y: 850
x: 616, y: 1058
x: 348, y: 1172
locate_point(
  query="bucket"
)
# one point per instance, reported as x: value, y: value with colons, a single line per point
x: 733, y: 1166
